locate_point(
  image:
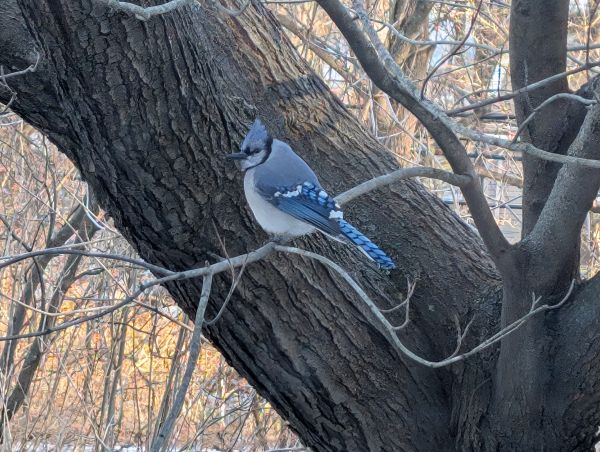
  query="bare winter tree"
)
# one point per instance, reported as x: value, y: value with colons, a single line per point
x: 147, y: 107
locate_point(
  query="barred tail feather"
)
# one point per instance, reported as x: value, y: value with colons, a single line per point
x: 365, y: 245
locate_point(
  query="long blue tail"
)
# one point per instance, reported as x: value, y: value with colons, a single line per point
x: 368, y: 247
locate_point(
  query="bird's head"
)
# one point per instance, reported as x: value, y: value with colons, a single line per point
x: 255, y: 149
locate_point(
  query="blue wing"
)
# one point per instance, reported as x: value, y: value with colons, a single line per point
x: 288, y: 183
x: 310, y: 203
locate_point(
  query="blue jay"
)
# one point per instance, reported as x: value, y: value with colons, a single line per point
x: 286, y: 198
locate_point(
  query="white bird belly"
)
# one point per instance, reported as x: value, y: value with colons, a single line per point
x: 270, y: 218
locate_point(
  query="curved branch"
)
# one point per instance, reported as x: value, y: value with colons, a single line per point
x: 401, y: 174
x: 390, y: 331
x: 386, y: 74
x: 548, y: 101
x: 142, y: 13
x: 31, y: 68
x: 526, y: 89
x: 69, y: 249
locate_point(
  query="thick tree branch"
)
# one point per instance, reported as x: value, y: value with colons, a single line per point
x: 383, y: 324
x: 573, y: 194
x: 227, y: 264
x: 157, y: 167
x: 538, y: 51
x: 388, y: 77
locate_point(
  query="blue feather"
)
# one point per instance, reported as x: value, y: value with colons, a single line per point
x: 368, y: 247
x: 310, y: 203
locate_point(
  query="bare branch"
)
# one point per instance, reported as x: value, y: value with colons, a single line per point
x: 568, y: 203
x: 3, y: 83
x: 406, y: 304
x: 401, y: 174
x: 146, y: 13
x: 547, y: 102
x: 526, y: 148
x: 390, y: 331
x: 417, y: 42
x: 236, y: 280
x: 454, y: 50
x: 409, y: 293
x: 244, y: 259
x: 327, y: 57
x: 232, y: 12
x: 69, y: 249
x: 30, y: 68
x: 525, y: 89
x: 195, y: 346
x: 387, y: 75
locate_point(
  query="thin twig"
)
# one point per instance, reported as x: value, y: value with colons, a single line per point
x: 213, y: 269
x: 388, y: 329
x: 195, y: 346
x: 234, y: 284
x: 546, y: 103
x: 526, y: 148
x: 417, y: 42
x: 31, y: 68
x: 3, y: 77
x: 589, y: 32
x: 525, y: 89
x: 453, y: 52
x: 409, y: 293
x: 62, y: 250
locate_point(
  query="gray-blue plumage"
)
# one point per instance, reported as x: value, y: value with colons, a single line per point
x: 286, y: 197
x: 283, y: 168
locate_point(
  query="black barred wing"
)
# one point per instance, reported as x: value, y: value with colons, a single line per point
x: 311, y: 204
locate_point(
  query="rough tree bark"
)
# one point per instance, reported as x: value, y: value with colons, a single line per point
x: 537, y: 51
x: 146, y: 110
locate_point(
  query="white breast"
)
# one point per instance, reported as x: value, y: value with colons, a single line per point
x: 271, y: 219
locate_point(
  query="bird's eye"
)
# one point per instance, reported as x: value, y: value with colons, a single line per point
x: 254, y: 151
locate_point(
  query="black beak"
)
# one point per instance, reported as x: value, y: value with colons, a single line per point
x: 237, y: 156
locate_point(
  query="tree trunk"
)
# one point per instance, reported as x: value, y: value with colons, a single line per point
x: 147, y: 110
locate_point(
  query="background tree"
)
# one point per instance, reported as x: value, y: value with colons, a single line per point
x: 147, y: 109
